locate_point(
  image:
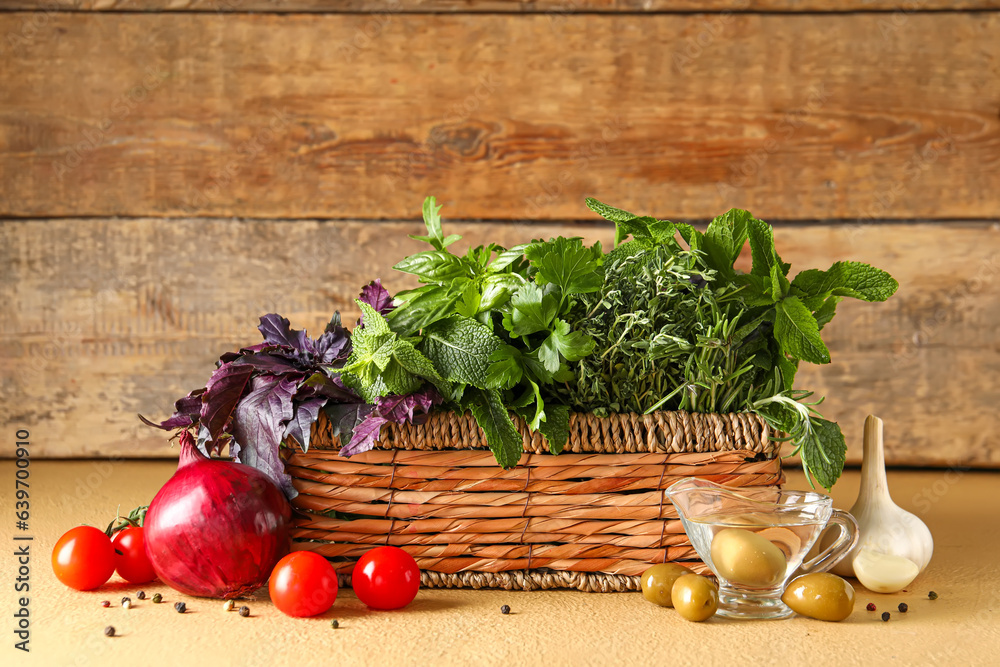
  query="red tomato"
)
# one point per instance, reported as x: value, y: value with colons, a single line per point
x: 83, y: 558
x: 131, y: 560
x: 303, y: 583
x: 386, y: 578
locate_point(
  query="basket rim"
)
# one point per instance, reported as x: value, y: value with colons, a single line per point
x: 667, y: 431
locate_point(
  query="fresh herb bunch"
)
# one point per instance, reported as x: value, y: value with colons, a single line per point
x: 487, y: 329
x: 262, y: 396
x: 679, y: 328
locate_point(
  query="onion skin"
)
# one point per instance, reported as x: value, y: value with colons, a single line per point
x: 216, y: 528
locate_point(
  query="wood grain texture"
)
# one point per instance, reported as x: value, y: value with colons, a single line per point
x: 102, y: 319
x: 558, y: 7
x: 502, y: 116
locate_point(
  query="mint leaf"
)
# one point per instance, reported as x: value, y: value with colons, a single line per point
x: 555, y: 428
x: 503, y: 439
x: 826, y: 311
x: 824, y: 453
x: 375, y: 323
x: 759, y: 290
x: 434, y: 266
x: 797, y: 333
x: 461, y: 349
x: 432, y: 220
x: 608, y: 212
x: 533, y: 311
x: 505, y: 369
x: 413, y: 361
x: 851, y: 279
x: 567, y: 264
x: 724, y: 240
x: 779, y: 283
x: 761, y: 247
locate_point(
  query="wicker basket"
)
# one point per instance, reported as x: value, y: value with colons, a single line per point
x: 592, y: 518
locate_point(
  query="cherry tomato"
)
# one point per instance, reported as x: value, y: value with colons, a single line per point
x: 131, y: 560
x: 386, y: 578
x: 303, y: 583
x: 83, y: 558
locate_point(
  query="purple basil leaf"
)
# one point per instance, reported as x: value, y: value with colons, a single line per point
x: 259, y: 427
x: 377, y: 297
x: 333, y: 345
x: 300, y: 425
x: 277, y: 331
x: 186, y: 412
x: 344, y: 418
x: 320, y: 384
x: 401, y: 409
x: 365, y: 435
x: 223, y: 392
x: 268, y: 363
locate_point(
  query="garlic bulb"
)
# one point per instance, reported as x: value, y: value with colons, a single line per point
x: 884, y: 527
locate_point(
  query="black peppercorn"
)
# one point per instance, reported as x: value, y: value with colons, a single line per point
x: 244, y: 611
x: 109, y: 631
x: 157, y: 598
x: 885, y: 616
x: 903, y: 607
x: 141, y: 595
x: 932, y: 595
x: 505, y: 609
x: 105, y: 603
x: 180, y: 607
x: 334, y: 624
x: 871, y: 606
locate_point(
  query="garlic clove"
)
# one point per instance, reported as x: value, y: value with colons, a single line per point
x: 884, y: 573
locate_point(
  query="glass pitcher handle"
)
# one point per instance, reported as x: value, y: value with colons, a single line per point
x: 846, y: 541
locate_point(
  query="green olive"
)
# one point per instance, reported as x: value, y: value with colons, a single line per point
x: 658, y: 580
x: 820, y: 595
x: 694, y: 597
x: 743, y: 557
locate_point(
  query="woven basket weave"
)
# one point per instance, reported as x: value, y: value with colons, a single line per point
x: 592, y: 518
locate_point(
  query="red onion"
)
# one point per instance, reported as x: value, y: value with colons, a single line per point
x: 216, y: 528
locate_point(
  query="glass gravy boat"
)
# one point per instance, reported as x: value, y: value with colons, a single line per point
x: 755, y: 539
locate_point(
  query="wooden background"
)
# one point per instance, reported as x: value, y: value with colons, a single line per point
x: 171, y: 170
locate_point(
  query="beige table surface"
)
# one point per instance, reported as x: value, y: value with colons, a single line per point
x: 455, y: 627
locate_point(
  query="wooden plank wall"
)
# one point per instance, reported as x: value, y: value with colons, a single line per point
x: 170, y: 171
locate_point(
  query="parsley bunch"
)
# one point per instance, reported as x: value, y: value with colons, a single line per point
x: 487, y: 329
